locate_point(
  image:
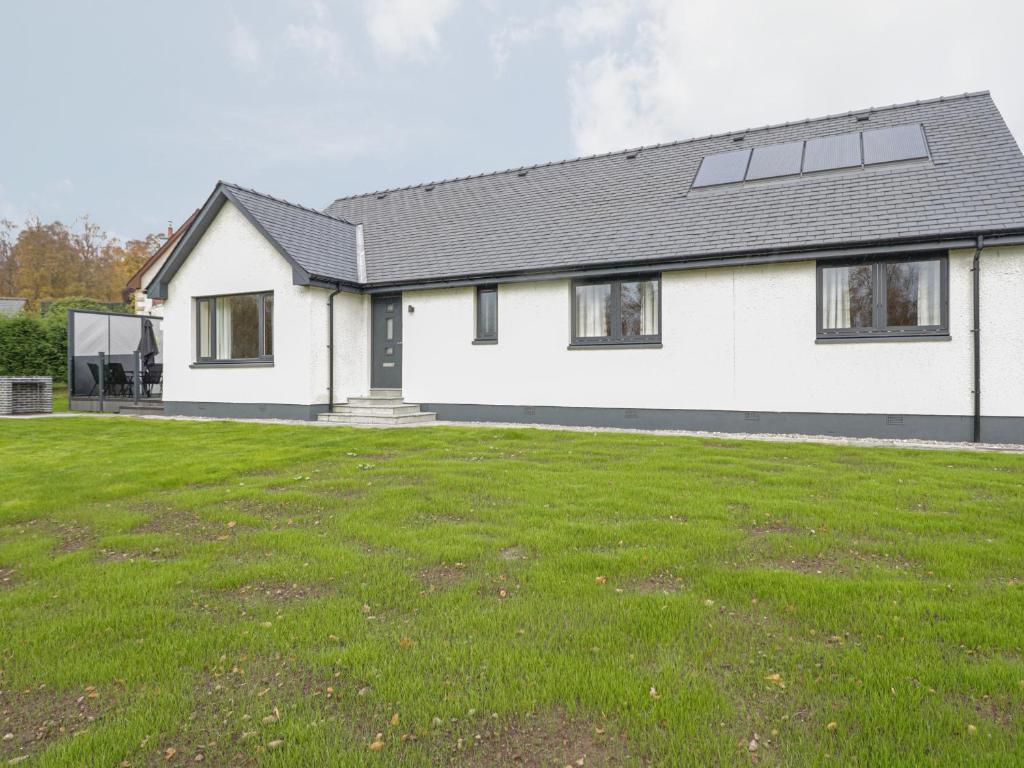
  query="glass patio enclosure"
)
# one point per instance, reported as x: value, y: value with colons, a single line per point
x: 113, y: 360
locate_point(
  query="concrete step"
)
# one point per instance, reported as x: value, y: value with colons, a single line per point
x: 386, y: 392
x: 386, y: 402
x: 374, y: 409
x: 377, y: 421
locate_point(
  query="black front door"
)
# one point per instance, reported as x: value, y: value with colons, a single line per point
x: 386, y: 346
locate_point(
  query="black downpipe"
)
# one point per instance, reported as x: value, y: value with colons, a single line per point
x: 976, y: 275
x: 330, y: 349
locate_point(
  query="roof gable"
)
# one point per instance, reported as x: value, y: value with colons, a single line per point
x: 321, y: 248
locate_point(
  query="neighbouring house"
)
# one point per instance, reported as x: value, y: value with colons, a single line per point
x: 9, y: 307
x: 860, y: 274
x: 135, y: 288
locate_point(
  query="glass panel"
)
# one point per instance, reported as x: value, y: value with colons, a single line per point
x: 268, y: 325
x: 487, y: 318
x: 238, y: 327
x: 391, y: 308
x: 847, y: 298
x: 593, y: 310
x: 389, y: 350
x: 204, y: 329
x: 640, y: 308
x: 389, y: 328
x: 912, y: 294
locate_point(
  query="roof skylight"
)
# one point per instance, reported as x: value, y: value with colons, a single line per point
x: 825, y: 153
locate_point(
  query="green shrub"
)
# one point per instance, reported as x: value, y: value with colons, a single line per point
x: 33, y: 345
x: 29, y: 347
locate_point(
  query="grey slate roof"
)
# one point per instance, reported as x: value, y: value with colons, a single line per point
x: 323, y: 245
x: 609, y: 209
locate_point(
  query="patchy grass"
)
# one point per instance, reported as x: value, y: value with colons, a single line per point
x: 248, y: 594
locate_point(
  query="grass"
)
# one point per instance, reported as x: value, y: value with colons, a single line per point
x: 60, y: 397
x: 275, y: 595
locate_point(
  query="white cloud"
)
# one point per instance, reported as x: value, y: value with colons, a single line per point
x: 244, y: 48
x: 317, y: 38
x: 588, y: 20
x: 406, y: 28
x: 689, y: 69
x: 513, y: 35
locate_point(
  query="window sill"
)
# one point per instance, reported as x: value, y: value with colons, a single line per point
x: 485, y: 341
x: 233, y: 364
x: 617, y: 345
x: 882, y: 337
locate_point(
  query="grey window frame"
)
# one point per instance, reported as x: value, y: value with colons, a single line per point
x: 213, y: 360
x: 880, y: 328
x: 478, y: 336
x: 616, y: 339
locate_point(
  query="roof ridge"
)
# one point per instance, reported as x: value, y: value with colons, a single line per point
x: 281, y: 200
x: 660, y: 145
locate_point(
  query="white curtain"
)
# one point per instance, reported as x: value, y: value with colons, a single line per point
x: 223, y: 329
x: 835, y: 297
x: 592, y: 310
x: 928, y: 290
x: 649, y: 308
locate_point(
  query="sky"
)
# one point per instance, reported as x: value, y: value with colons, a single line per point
x: 129, y: 112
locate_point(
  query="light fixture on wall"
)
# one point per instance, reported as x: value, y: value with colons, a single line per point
x: 411, y: 309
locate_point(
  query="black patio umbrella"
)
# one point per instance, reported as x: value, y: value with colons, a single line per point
x: 147, y: 348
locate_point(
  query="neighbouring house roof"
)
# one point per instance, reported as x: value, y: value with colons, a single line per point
x: 135, y: 281
x: 320, y: 247
x: 11, y: 306
x: 638, y: 206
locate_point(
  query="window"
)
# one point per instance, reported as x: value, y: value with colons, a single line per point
x: 487, y: 314
x: 626, y: 311
x: 884, y: 298
x: 236, y: 328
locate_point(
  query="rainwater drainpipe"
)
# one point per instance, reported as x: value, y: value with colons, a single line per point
x: 330, y: 349
x: 976, y: 280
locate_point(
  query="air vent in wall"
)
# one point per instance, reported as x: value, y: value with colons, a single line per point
x: 891, y: 419
x: 529, y: 410
x: 751, y: 416
x: 629, y: 413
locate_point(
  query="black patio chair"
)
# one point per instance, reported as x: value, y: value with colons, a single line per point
x: 153, y: 377
x: 120, y: 383
x: 94, y: 371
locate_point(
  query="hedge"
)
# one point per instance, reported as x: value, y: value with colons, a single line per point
x: 34, y: 345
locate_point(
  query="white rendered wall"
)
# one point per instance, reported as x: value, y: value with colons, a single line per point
x: 232, y: 257
x: 735, y: 339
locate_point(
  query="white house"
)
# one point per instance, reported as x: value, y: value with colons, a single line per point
x: 859, y: 274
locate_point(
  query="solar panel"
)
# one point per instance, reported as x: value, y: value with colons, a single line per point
x: 830, y: 152
x: 776, y: 160
x: 723, y: 168
x: 901, y: 142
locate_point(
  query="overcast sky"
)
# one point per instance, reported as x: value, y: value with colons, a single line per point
x: 130, y: 111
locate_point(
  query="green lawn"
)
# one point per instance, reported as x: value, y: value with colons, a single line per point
x: 266, y: 594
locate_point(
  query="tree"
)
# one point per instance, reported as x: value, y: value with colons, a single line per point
x: 8, y: 266
x: 51, y: 261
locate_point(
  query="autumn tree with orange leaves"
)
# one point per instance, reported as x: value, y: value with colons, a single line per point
x: 43, y: 262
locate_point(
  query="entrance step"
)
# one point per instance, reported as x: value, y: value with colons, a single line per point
x: 378, y: 421
x: 381, y: 408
